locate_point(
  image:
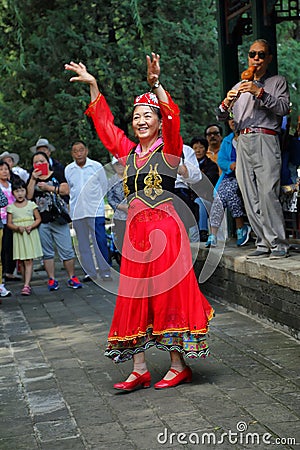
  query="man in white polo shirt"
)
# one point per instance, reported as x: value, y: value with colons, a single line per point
x: 88, y: 184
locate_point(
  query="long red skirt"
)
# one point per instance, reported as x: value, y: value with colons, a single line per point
x: 159, y: 301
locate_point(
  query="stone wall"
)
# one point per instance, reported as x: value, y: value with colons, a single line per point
x: 264, y: 288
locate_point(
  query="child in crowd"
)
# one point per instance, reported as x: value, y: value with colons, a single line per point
x: 23, y: 218
x: 3, y: 202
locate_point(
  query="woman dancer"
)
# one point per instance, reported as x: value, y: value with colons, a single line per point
x: 159, y: 301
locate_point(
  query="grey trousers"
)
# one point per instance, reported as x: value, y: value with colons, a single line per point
x: 258, y: 174
x: 86, y: 230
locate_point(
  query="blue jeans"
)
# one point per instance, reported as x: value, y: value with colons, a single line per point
x: 204, y: 207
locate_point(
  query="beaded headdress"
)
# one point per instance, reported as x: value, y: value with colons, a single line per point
x: 147, y: 99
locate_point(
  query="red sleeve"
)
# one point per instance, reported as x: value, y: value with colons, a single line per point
x: 171, y: 127
x: 112, y: 137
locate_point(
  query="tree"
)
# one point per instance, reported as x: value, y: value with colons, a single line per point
x: 36, y: 98
x: 288, y: 37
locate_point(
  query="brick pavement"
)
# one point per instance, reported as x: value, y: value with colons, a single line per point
x: 56, y: 386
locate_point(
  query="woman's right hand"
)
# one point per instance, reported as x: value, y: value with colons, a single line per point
x: 36, y: 173
x: 84, y: 77
x: 82, y: 74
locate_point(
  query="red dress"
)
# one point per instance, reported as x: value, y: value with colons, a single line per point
x: 159, y: 301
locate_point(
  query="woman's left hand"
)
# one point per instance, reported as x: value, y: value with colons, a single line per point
x: 153, y: 68
x: 43, y: 186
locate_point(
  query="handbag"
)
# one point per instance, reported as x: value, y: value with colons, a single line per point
x: 59, y: 208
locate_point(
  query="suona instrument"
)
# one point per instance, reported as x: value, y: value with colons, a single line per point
x: 247, y: 75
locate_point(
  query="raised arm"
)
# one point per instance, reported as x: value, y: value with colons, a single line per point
x: 169, y: 110
x: 84, y: 77
x: 153, y: 72
x: 112, y: 137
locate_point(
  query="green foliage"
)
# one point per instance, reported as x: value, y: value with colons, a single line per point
x: 289, y: 64
x: 111, y: 37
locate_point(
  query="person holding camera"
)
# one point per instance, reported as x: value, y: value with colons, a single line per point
x: 42, y: 184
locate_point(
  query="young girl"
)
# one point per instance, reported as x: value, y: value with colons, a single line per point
x: 3, y: 291
x: 23, y: 218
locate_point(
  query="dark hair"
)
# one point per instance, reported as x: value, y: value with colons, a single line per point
x: 214, y: 125
x: 79, y: 141
x: 201, y: 141
x: 40, y: 153
x: 2, y: 163
x: 17, y: 184
x: 266, y: 44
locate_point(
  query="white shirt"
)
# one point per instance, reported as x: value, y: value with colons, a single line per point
x: 23, y: 174
x: 88, y: 187
x: 191, y: 162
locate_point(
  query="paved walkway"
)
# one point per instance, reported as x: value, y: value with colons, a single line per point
x: 56, y: 386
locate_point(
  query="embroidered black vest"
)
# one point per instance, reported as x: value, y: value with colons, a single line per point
x: 153, y: 182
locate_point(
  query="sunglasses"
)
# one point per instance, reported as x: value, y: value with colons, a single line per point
x: 213, y: 133
x: 261, y: 55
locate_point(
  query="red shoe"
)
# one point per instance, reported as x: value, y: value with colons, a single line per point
x: 141, y: 380
x: 185, y: 376
x: 26, y: 290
